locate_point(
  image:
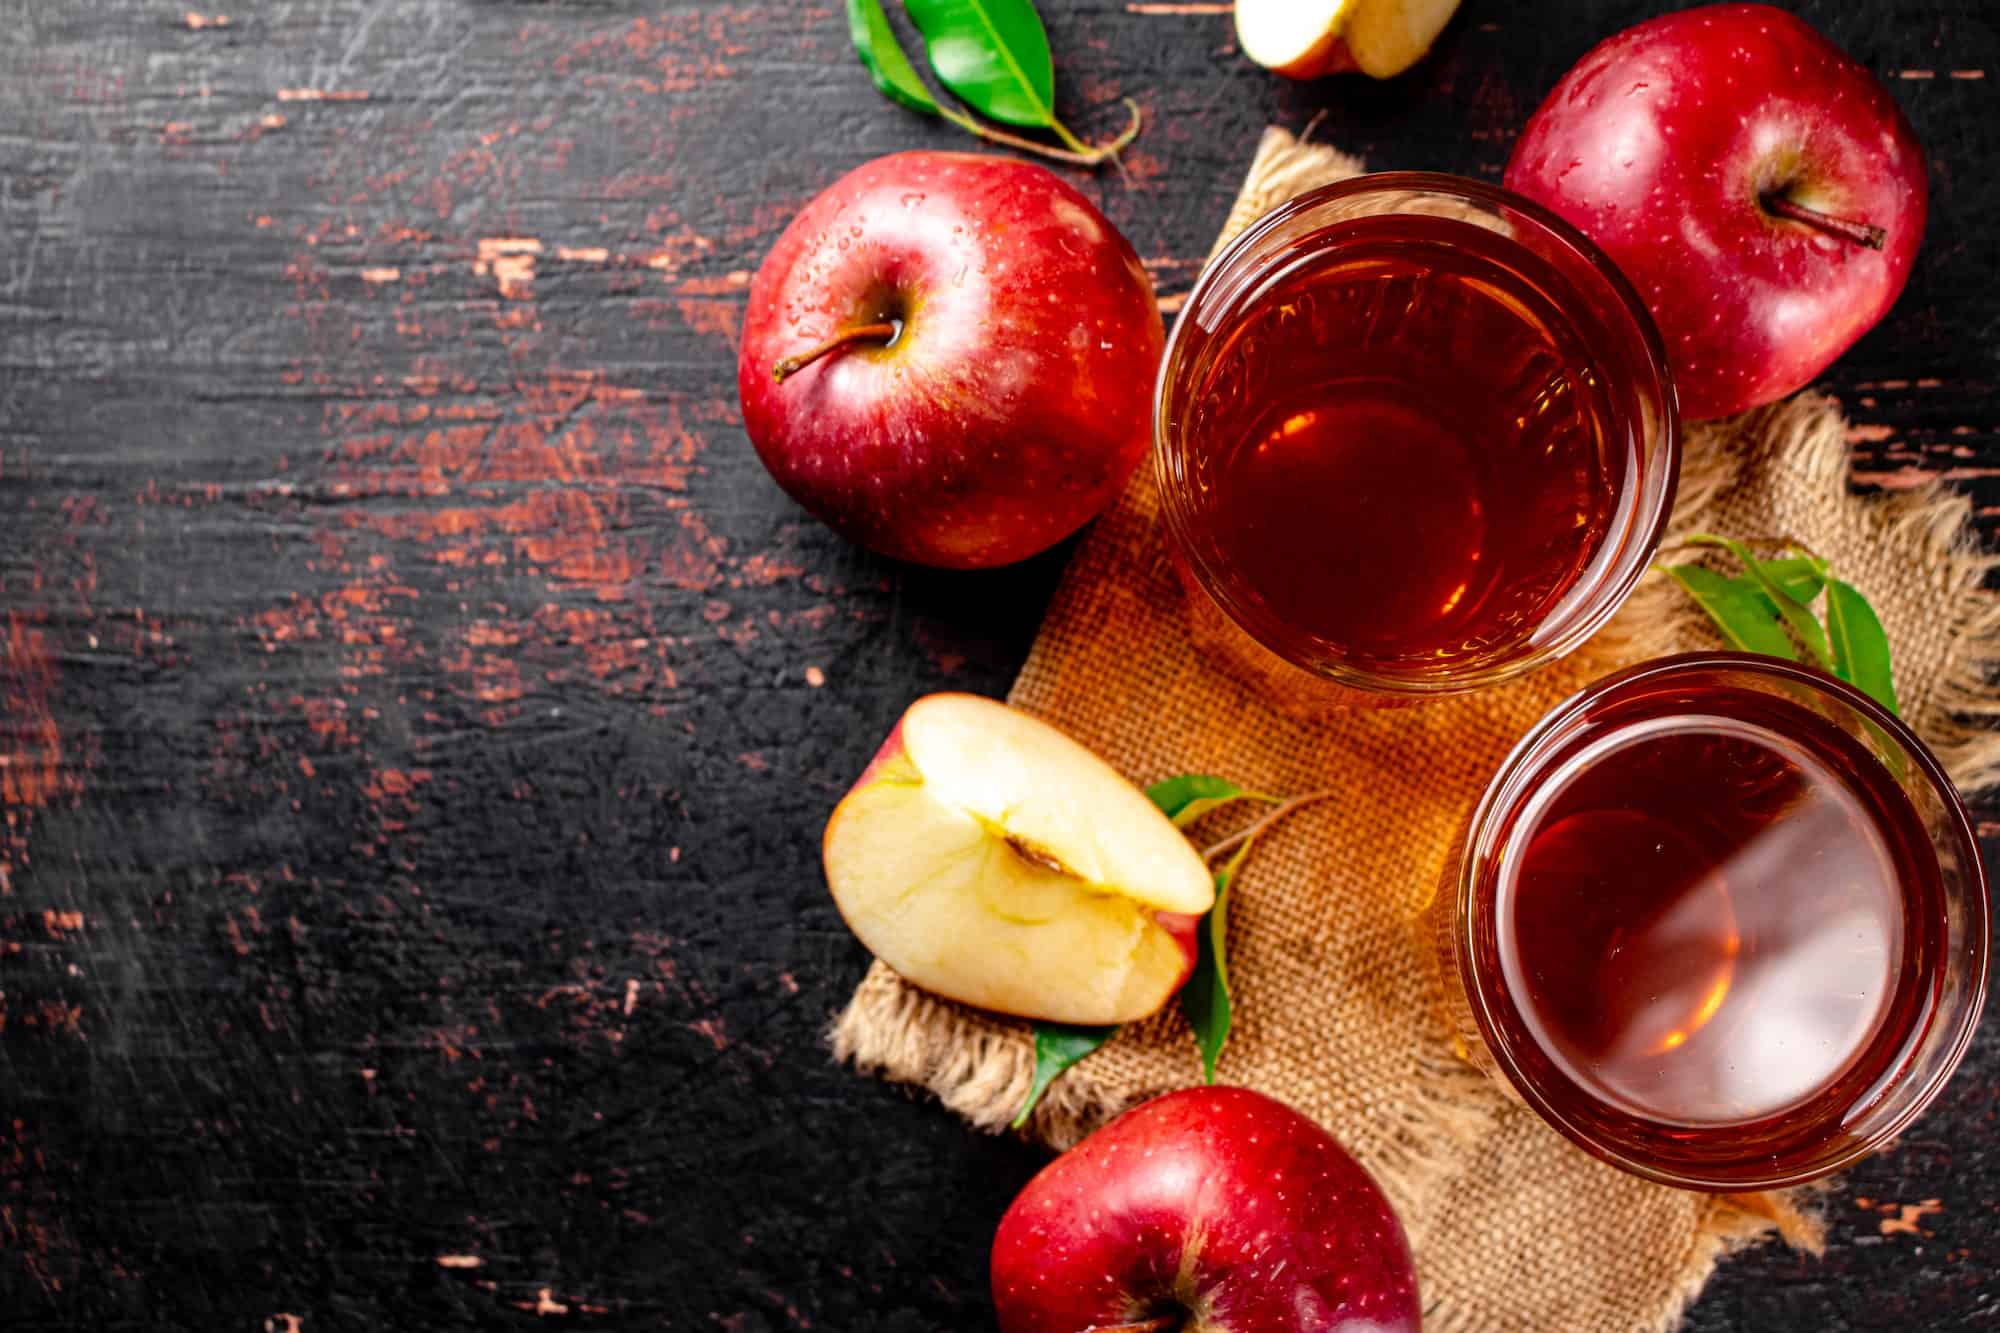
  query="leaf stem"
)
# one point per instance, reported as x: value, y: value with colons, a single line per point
x: 885, y: 333
x: 1778, y: 543
x: 1236, y: 839
x: 1079, y: 154
x: 1075, y: 144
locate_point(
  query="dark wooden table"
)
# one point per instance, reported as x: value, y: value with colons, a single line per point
x: 418, y: 710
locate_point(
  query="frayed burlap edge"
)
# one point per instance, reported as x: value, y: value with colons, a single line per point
x: 981, y: 1069
x: 1284, y: 168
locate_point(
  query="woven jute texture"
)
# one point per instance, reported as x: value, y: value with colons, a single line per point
x: 1337, y: 1004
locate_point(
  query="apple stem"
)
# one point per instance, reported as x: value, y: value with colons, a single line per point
x: 1235, y: 840
x: 1846, y: 229
x: 885, y: 333
x: 1078, y: 154
x: 1166, y: 1323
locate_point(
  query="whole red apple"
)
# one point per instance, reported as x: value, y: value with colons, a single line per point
x: 1761, y: 190
x: 949, y: 358
x: 1213, y: 1210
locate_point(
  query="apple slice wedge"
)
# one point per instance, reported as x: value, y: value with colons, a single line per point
x: 1386, y: 37
x: 1305, y: 39
x: 1300, y: 39
x: 990, y: 859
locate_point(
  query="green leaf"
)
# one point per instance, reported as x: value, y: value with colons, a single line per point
x: 1796, y: 614
x: 875, y: 42
x: 994, y: 54
x: 1057, y: 1047
x: 1174, y: 795
x: 1800, y: 576
x: 1205, y: 997
x: 1860, y: 646
x: 1188, y: 797
x: 1748, y: 619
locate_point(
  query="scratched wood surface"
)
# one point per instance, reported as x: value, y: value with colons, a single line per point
x: 418, y: 709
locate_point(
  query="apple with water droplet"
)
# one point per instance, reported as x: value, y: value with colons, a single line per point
x: 1212, y: 1210
x: 949, y: 359
x: 1760, y: 188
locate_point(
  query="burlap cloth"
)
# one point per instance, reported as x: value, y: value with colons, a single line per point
x: 1337, y: 1009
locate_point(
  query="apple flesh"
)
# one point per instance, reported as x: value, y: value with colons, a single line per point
x: 949, y: 359
x: 1300, y: 39
x: 990, y: 859
x: 1761, y: 190
x: 1213, y: 1210
x: 1305, y: 39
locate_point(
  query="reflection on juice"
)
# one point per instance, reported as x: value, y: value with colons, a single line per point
x: 1710, y: 921
x: 1719, y: 919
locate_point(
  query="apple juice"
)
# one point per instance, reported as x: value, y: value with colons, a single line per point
x: 1438, y: 459
x: 1416, y: 446
x: 1713, y: 924
x: 1717, y: 914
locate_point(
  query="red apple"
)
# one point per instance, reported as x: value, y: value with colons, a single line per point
x: 949, y: 358
x: 1760, y: 189
x: 989, y: 858
x: 1213, y: 1210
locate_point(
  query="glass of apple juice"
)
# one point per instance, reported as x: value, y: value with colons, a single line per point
x: 1414, y: 435
x: 1721, y: 920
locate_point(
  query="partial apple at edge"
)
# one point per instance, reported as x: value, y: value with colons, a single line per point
x: 1306, y: 39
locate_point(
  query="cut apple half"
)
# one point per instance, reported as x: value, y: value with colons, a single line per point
x: 1386, y: 37
x: 990, y: 859
x: 1300, y: 39
x: 1304, y: 39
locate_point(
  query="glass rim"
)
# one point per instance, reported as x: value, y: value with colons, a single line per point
x: 1501, y: 794
x: 1648, y: 525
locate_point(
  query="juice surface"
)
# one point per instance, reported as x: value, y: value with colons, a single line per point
x: 1718, y: 918
x: 1411, y: 453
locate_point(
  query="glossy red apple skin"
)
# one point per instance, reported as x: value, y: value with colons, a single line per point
x: 1658, y: 146
x: 1017, y: 398
x: 1214, y: 1200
